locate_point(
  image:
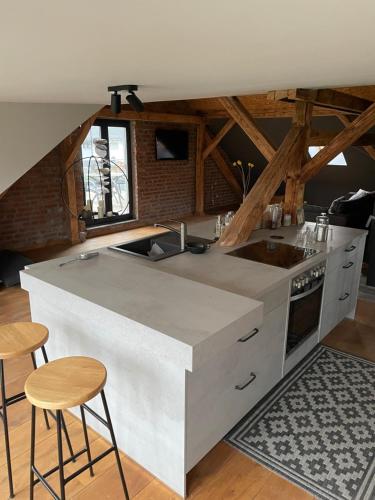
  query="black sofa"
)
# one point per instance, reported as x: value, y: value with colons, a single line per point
x: 345, y: 212
x: 351, y: 213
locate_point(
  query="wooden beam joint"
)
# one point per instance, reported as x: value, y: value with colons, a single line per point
x: 218, y: 137
x: 260, y: 195
x: 325, y: 98
x: 343, y: 140
x: 242, y: 117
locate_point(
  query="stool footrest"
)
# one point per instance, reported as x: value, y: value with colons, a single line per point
x: 96, y: 415
x: 14, y: 399
x: 41, y: 478
x: 89, y: 464
x: 54, y: 469
x: 44, y: 482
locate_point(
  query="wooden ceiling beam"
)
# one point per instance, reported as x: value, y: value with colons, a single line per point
x: 294, y: 188
x: 244, y: 119
x: 224, y: 167
x: 150, y: 116
x: 218, y: 137
x: 4, y: 193
x: 322, y: 138
x: 70, y: 149
x: 251, y: 210
x: 343, y: 140
x: 72, y: 144
x: 369, y: 147
x: 326, y: 98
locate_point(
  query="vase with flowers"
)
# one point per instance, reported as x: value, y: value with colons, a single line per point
x: 245, y: 173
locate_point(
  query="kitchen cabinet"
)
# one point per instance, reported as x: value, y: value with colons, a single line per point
x: 343, y: 272
x: 223, y: 390
x: 178, y: 338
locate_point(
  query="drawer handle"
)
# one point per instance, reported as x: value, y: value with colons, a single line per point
x: 345, y: 296
x: 249, y: 336
x: 350, y: 249
x: 349, y: 264
x: 241, y: 387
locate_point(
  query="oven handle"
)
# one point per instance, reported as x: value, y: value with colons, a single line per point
x: 306, y: 294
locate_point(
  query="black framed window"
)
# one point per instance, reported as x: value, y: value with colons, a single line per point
x: 107, y: 182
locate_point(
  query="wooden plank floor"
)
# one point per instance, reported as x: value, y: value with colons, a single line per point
x: 223, y: 474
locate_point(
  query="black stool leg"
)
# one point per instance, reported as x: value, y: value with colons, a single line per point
x: 45, y: 357
x: 32, y: 452
x: 60, y: 454
x: 6, y: 431
x: 87, y: 442
x: 44, y: 354
x: 68, y: 442
x: 108, y: 418
x: 44, y: 411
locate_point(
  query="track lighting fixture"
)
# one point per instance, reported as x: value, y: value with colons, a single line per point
x: 134, y: 101
x: 115, y: 103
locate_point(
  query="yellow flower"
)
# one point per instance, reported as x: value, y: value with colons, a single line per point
x: 239, y: 162
x: 251, y: 165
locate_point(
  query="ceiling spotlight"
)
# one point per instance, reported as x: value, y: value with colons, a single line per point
x: 116, y: 103
x: 134, y: 102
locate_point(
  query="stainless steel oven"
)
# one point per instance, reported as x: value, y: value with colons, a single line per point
x: 305, y: 305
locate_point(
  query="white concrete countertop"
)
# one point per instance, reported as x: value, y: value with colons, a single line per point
x: 190, y: 313
x: 240, y: 276
x: 191, y: 300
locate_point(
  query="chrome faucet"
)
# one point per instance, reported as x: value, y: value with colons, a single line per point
x: 182, y: 232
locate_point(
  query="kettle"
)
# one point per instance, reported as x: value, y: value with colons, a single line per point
x: 321, y: 227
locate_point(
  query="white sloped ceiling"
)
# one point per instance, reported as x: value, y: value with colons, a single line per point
x: 29, y: 131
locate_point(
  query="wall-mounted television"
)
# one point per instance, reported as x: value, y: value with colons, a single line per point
x: 172, y: 144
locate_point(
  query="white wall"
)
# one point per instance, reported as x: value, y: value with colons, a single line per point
x: 29, y: 131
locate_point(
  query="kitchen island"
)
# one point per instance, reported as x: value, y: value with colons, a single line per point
x: 190, y: 343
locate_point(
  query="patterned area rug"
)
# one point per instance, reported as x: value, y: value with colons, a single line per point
x: 317, y: 427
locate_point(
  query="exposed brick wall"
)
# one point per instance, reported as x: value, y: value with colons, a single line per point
x: 31, y: 212
x: 165, y: 188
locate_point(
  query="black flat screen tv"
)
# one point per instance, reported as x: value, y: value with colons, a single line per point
x: 172, y: 144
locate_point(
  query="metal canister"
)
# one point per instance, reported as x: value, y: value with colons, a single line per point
x: 321, y: 232
x: 322, y: 227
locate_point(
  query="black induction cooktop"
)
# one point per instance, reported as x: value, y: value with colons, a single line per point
x: 274, y: 253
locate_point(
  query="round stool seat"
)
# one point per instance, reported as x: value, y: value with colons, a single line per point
x: 17, y: 339
x: 65, y: 383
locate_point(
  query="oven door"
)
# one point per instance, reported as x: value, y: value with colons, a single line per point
x: 304, y: 315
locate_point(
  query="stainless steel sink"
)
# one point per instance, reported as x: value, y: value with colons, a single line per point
x: 153, y: 247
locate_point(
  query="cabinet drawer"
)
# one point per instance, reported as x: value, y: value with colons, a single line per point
x: 344, y: 307
x: 222, y: 391
x: 339, y: 281
x: 335, y: 311
x: 343, y: 255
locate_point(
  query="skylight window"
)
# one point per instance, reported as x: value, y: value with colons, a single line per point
x: 338, y: 160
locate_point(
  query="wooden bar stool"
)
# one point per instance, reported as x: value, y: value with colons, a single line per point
x: 18, y: 339
x: 63, y: 384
